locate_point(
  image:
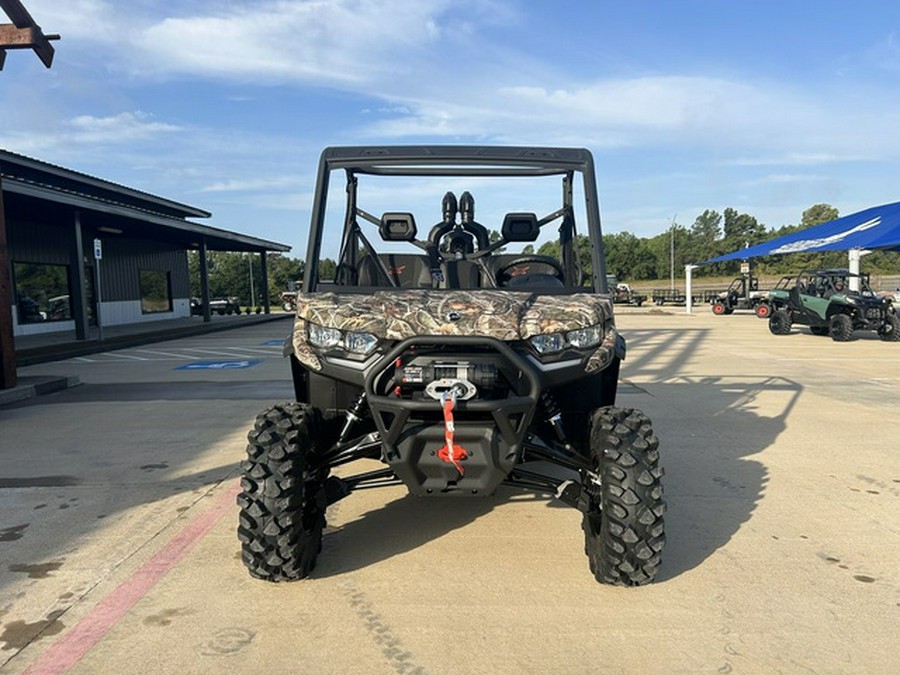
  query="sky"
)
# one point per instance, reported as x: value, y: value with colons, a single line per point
x: 767, y: 107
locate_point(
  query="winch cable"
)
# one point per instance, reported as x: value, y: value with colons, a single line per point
x: 451, y: 453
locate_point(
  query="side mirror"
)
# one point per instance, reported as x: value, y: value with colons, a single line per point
x: 397, y: 227
x: 520, y: 227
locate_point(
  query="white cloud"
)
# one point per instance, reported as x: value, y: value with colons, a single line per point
x: 258, y: 184
x: 342, y: 42
x: 122, y: 128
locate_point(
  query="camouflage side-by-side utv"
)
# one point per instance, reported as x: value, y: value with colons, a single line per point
x: 469, y: 353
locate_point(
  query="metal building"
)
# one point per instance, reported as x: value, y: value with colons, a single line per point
x: 58, y: 222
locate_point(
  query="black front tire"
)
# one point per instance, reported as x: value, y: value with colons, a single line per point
x: 840, y: 328
x: 282, y: 506
x: 780, y: 322
x: 890, y: 330
x: 624, y: 532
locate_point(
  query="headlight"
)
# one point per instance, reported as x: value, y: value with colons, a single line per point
x: 585, y: 338
x: 328, y: 338
x: 582, y: 338
x: 360, y: 343
x: 320, y: 336
x: 549, y: 343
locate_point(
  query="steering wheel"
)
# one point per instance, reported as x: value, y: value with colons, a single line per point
x: 559, y: 273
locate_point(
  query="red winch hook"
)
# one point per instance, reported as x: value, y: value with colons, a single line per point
x: 451, y: 453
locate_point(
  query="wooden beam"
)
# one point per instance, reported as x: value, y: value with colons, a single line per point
x: 24, y: 33
x: 29, y: 37
x: 17, y: 13
x: 13, y: 37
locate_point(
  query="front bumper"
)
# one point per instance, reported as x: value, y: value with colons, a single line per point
x: 491, y: 430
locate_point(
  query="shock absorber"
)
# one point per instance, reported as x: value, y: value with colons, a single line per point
x: 554, y: 419
x: 353, y: 414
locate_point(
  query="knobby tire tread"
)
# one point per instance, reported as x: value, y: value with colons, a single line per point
x: 624, y: 529
x: 281, y: 516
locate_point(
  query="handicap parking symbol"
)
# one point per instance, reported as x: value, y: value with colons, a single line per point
x: 219, y: 365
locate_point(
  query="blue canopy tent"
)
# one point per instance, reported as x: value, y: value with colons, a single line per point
x: 875, y: 228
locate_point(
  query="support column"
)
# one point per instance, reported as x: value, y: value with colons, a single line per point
x: 265, y: 282
x: 7, y: 341
x: 204, y: 280
x: 78, y: 299
x: 854, y: 255
x: 688, y: 290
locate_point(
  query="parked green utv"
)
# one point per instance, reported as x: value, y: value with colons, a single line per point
x: 833, y: 302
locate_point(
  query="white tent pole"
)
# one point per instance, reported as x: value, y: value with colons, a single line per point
x: 854, y: 255
x: 688, y: 297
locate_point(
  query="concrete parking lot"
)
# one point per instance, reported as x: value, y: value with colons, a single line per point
x: 118, y: 547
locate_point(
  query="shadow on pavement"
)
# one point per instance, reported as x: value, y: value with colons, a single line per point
x: 709, y: 428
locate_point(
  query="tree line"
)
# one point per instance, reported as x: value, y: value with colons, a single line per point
x: 712, y: 234
x: 629, y: 257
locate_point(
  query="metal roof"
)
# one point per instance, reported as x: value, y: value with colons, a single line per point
x: 102, y: 203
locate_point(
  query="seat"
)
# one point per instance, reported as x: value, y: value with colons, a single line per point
x: 406, y: 270
x: 462, y: 274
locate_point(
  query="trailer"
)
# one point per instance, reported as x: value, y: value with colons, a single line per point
x: 622, y: 293
x: 676, y: 296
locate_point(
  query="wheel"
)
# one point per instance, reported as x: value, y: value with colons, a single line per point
x: 840, y: 328
x: 780, y: 322
x: 890, y: 329
x: 719, y: 308
x: 281, y: 515
x: 818, y: 330
x: 624, y: 532
x: 763, y: 310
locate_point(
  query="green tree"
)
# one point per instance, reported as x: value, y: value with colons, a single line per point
x: 284, y: 273
x: 327, y: 269
x: 661, y: 247
x: 628, y: 257
x: 704, y: 241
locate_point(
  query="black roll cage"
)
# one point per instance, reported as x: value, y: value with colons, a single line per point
x: 456, y: 161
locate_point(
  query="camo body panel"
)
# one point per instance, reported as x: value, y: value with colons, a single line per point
x: 397, y: 315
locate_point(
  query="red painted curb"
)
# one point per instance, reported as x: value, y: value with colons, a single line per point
x: 72, y: 646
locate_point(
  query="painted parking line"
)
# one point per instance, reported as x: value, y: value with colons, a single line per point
x: 256, y: 350
x: 120, y: 355
x: 66, y: 652
x: 158, y: 353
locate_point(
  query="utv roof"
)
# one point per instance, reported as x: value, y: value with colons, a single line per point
x: 457, y: 160
x: 834, y: 271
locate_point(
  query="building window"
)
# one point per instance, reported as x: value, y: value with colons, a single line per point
x: 156, y: 292
x: 42, y: 292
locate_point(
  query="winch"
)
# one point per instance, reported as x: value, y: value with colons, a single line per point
x: 464, y: 379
